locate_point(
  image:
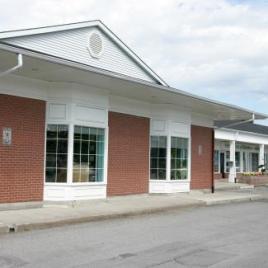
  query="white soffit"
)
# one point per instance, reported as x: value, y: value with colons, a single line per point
x: 47, y: 68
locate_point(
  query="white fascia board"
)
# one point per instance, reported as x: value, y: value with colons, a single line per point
x: 84, y: 67
x: 240, y: 136
x: 79, y: 25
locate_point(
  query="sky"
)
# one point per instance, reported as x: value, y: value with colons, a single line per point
x: 214, y: 48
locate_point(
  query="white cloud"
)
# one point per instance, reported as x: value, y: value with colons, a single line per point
x: 210, y: 47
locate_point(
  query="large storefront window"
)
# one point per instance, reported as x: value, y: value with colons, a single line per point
x: 158, y: 157
x: 56, y: 153
x: 179, y: 158
x: 216, y: 160
x: 88, y: 154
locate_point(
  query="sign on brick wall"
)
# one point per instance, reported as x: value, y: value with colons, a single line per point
x: 7, y: 136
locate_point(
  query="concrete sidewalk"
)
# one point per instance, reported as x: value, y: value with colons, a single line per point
x: 58, y: 214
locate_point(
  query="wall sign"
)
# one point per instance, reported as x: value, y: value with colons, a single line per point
x: 7, y: 136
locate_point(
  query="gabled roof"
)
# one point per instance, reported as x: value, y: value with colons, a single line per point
x: 10, y: 37
x: 246, y: 127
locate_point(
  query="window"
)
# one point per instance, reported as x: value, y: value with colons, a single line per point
x: 88, y: 155
x: 266, y: 160
x: 158, y: 157
x: 179, y: 158
x: 56, y: 153
x: 245, y: 162
x: 254, y: 162
x: 216, y: 161
x: 237, y: 161
x: 227, y: 159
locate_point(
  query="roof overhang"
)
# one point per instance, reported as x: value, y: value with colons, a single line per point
x: 48, y: 68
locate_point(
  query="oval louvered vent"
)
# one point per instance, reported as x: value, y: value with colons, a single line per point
x: 95, y: 45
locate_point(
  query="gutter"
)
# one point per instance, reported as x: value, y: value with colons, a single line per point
x: 16, y: 67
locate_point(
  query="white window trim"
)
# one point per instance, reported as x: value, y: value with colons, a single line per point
x: 70, y: 155
x: 168, y: 160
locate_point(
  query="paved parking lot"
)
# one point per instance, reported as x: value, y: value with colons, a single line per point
x: 233, y: 235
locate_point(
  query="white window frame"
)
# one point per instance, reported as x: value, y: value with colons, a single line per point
x: 70, y: 154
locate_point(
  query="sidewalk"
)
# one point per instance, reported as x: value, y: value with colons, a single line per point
x: 58, y: 214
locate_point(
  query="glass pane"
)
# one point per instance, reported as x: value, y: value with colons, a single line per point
x: 62, y: 146
x: 84, y: 161
x: 154, y: 141
x: 84, y: 147
x: 161, y: 174
x: 154, y: 152
x: 173, y: 152
x: 50, y: 174
x: 62, y: 161
x: 100, y: 136
x: 76, y: 163
x: 92, y: 175
x: 184, y: 174
x: 62, y: 132
x: 76, y: 175
x: 77, y: 146
x: 162, y: 142
x: 51, y: 131
x: 100, y: 148
x: 153, y: 174
x: 154, y: 162
x: 162, y: 152
x: 51, y: 160
x: 162, y: 163
x: 85, y: 133
x: 77, y: 133
x: 92, y: 147
x: 92, y: 161
x: 93, y: 134
x: 51, y: 146
x: 61, y: 175
x: 84, y: 174
x: 100, y: 161
x: 99, y: 175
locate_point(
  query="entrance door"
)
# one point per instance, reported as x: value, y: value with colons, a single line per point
x: 222, y: 162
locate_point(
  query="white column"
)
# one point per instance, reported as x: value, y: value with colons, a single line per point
x: 232, y: 171
x: 261, y: 155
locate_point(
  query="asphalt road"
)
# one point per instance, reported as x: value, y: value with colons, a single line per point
x: 234, y: 235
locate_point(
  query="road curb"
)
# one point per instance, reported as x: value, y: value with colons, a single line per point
x: 235, y: 200
x: 77, y: 220
x: 4, y: 229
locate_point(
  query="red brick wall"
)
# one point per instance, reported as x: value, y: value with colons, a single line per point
x: 22, y: 162
x: 128, y: 155
x: 202, y: 165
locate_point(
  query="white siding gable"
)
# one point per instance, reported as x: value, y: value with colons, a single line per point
x: 72, y: 45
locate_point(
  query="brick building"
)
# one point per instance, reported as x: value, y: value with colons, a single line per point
x: 83, y: 117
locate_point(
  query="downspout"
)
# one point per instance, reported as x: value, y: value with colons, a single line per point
x: 13, y: 69
x: 212, y: 169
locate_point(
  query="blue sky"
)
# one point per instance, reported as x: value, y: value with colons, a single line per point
x: 214, y: 48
